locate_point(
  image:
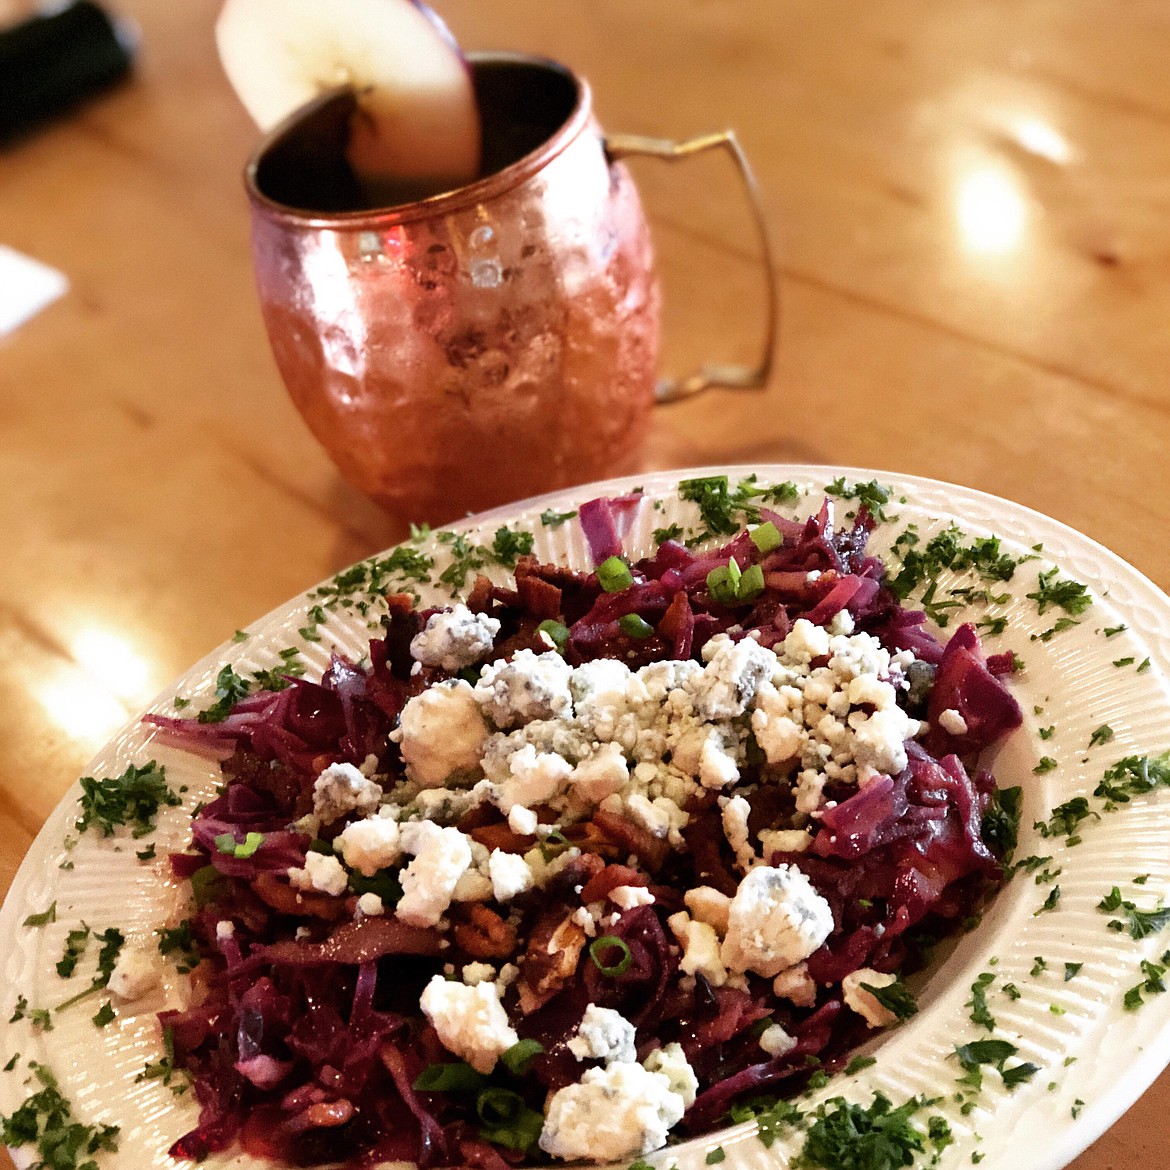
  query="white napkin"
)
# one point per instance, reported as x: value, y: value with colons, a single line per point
x: 26, y: 287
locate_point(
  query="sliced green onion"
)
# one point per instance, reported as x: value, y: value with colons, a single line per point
x: 520, y: 1133
x: 614, y: 575
x: 249, y: 845
x: 518, y: 1059
x: 497, y: 1106
x: 610, y: 942
x: 456, y: 1077
x: 751, y: 584
x: 384, y: 884
x: 733, y: 574
x: 557, y: 631
x: 207, y: 885
x: 226, y: 843
x: 635, y: 626
x: 554, y: 843
x: 766, y: 536
x: 730, y: 585
x: 719, y: 586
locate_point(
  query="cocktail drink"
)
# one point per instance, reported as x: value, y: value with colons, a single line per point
x: 476, y: 346
x: 454, y: 268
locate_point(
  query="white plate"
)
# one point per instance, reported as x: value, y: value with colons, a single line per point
x: 1088, y: 1047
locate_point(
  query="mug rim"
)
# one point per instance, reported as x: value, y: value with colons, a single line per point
x: 479, y: 191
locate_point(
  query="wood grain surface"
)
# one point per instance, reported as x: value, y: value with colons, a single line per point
x: 970, y: 202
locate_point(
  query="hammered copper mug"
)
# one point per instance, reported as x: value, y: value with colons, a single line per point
x: 461, y: 350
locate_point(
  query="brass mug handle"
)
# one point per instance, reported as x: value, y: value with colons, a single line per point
x: 618, y: 146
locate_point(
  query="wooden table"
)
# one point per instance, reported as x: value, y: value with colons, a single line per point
x: 970, y: 202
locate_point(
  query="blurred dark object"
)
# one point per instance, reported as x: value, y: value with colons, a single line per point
x: 50, y: 63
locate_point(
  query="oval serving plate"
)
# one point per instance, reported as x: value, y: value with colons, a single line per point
x: 1107, y: 668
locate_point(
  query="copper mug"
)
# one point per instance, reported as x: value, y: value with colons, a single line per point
x: 463, y: 349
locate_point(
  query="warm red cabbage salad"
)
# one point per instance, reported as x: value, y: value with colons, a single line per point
x: 570, y: 868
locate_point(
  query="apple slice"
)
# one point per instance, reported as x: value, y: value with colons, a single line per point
x: 416, y: 128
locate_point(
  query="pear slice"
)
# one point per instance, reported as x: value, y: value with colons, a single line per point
x: 416, y: 128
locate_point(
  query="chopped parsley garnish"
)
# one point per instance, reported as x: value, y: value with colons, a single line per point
x: 947, y: 550
x: 773, y: 1117
x: 871, y: 494
x: 1153, y: 983
x: 551, y: 519
x: 38, y: 1017
x: 975, y: 1055
x: 713, y: 496
x: 1050, y: 902
x: 363, y: 584
x: 1047, y: 764
x: 44, y: 917
x: 1011, y: 991
x: 112, y: 941
x: 510, y: 544
x: 1066, y: 818
x: 849, y: 1136
x: 715, y: 1156
x: 230, y: 688
x: 178, y: 943
x: 1138, y: 923
x: 978, y: 1001
x: 46, y: 1121
x: 895, y: 997
x: 1071, y: 596
x: 1018, y: 1074
x: 1039, y: 965
x: 1001, y: 821
x: 1133, y: 776
x: 723, y: 510
x: 466, y: 558
x: 105, y: 1015
x: 858, y: 1063
x: 1102, y: 735
x: 75, y: 943
x: 133, y: 798
x: 1061, y: 625
x: 163, y: 1070
x: 673, y: 532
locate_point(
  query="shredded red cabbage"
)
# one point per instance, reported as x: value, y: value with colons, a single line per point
x: 305, y: 1040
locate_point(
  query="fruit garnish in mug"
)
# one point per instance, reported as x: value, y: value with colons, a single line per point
x: 416, y: 123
